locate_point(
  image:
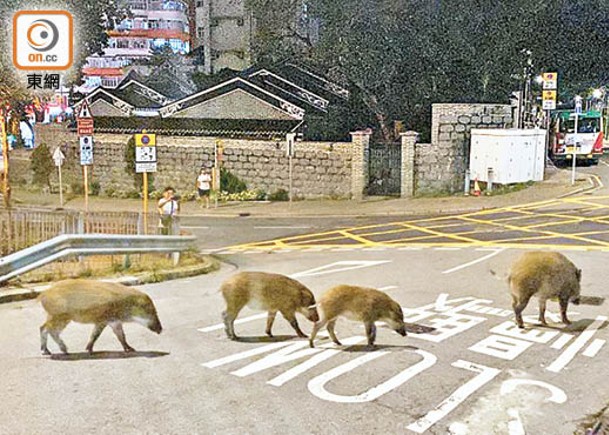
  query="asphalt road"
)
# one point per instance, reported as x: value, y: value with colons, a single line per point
x: 475, y: 374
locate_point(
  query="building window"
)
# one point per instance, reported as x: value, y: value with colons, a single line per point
x: 240, y: 22
x: 199, y: 3
x: 214, y: 22
x: 139, y: 43
x: 200, y: 32
x: 122, y: 43
x: 153, y: 24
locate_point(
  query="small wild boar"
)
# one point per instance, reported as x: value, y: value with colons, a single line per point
x: 361, y: 304
x: 548, y: 275
x: 270, y: 292
x: 97, y: 302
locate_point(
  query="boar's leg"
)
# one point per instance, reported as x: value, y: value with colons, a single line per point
x: 542, y: 311
x: 99, y: 327
x: 53, y: 326
x: 564, y: 303
x: 117, y: 327
x: 291, y: 317
x: 316, y: 327
x: 331, y: 325
x: 229, y: 325
x: 269, y: 322
x: 370, y: 332
x: 519, y: 307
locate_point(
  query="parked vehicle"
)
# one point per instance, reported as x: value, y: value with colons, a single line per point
x: 586, y: 143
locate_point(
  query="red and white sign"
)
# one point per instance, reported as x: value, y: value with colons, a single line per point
x: 85, y: 120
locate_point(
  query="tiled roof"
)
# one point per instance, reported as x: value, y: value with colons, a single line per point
x: 150, y: 34
x: 92, y: 71
x: 196, y: 127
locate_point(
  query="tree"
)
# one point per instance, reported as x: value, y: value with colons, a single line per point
x: 42, y: 165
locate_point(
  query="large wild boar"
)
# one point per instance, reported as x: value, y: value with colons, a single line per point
x: 97, y: 302
x: 547, y: 275
x: 269, y: 292
x: 361, y: 304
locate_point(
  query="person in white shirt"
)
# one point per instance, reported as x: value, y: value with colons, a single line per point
x: 169, y: 208
x: 204, y: 186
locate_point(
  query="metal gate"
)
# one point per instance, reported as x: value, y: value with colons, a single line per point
x: 384, y: 169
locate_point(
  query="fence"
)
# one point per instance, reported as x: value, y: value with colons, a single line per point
x: 22, y: 228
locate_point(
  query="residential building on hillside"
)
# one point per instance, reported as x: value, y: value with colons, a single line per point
x: 152, y: 24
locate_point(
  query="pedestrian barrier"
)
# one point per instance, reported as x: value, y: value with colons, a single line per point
x: 88, y: 244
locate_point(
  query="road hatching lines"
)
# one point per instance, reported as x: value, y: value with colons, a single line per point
x: 573, y: 223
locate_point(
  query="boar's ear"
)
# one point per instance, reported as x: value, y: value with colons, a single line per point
x: 578, y: 273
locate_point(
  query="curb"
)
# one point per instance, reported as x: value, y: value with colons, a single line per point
x: 16, y: 294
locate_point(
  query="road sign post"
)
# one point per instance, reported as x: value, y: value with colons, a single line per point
x: 58, y: 158
x: 84, y: 122
x: 290, y: 138
x: 145, y: 162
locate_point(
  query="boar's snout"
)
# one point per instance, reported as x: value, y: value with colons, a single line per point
x: 575, y: 300
x: 312, y: 315
x: 155, y: 326
x: 402, y: 331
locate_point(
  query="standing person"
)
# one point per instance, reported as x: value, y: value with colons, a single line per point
x: 27, y: 133
x: 168, y: 207
x: 204, y: 186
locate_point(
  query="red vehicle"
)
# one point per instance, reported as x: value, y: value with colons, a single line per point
x: 586, y: 144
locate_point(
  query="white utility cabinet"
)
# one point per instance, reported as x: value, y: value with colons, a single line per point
x: 514, y: 155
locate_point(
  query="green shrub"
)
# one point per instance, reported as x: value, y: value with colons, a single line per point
x: 230, y: 183
x: 279, y: 195
x: 94, y: 188
x: 42, y: 165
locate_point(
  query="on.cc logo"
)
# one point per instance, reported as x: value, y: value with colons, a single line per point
x: 43, y: 40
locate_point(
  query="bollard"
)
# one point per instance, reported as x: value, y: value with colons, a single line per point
x: 466, y: 187
x: 489, y: 183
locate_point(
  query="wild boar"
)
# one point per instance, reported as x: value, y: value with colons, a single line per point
x: 97, y: 302
x: 360, y: 304
x: 547, y: 275
x: 269, y: 292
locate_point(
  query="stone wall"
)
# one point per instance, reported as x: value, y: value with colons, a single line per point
x: 320, y: 169
x: 440, y: 167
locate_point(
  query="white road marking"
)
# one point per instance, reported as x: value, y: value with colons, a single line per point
x: 287, y: 227
x: 566, y: 357
x: 515, y: 426
x: 486, y: 374
x: 561, y: 341
x: 447, y: 249
x: 238, y: 321
x: 243, y: 355
x: 317, y: 384
x: 411, y: 248
x: 471, y: 263
x: 557, y: 395
x: 193, y: 227
x: 338, y: 266
x: 314, y: 361
x: 502, y: 347
x: 594, y: 348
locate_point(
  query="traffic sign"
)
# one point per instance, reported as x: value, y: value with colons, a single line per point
x: 84, y: 120
x: 550, y: 80
x: 85, y: 126
x: 58, y: 157
x: 145, y: 167
x: 84, y: 111
x: 549, y: 100
x: 145, y: 140
x: 86, y: 150
x: 145, y: 154
x: 290, y: 137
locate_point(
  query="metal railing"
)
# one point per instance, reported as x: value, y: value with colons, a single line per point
x: 21, y: 228
x: 88, y: 244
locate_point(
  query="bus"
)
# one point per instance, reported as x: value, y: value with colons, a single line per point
x: 586, y: 144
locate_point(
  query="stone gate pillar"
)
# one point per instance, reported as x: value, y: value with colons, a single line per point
x: 409, y: 140
x: 359, y: 165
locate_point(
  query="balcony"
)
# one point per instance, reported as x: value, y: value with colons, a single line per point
x: 152, y: 5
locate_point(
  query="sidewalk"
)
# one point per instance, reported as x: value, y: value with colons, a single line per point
x: 557, y: 184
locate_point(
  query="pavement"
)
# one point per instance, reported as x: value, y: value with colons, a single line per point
x: 557, y: 184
